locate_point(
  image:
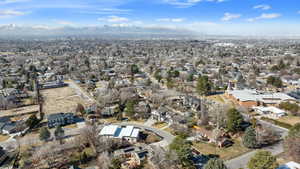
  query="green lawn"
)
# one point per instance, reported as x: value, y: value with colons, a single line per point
x: 225, y: 153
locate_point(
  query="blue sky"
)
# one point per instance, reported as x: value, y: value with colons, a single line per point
x: 232, y: 17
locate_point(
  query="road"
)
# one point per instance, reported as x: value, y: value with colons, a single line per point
x: 242, y: 161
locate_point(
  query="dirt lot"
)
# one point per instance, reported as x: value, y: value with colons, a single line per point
x: 61, y: 100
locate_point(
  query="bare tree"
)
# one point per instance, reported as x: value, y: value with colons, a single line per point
x: 161, y: 158
x: 90, y: 135
x: 104, y: 160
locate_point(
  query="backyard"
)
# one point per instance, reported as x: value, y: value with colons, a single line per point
x: 235, y: 150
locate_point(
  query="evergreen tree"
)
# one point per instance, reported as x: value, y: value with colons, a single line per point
x: 59, y: 133
x: 234, y: 120
x: 263, y: 160
x: 204, y: 86
x: 130, y: 108
x: 295, y: 131
x: 32, y: 121
x: 44, y: 134
x: 249, y: 139
x: 215, y: 163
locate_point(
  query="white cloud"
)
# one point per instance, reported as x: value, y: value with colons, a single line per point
x: 107, y: 11
x: 187, y: 3
x: 113, y: 19
x: 265, y: 16
x: 63, y: 22
x: 229, y: 16
x: 262, y: 7
x: 11, y: 13
x: 12, y: 1
x: 170, y: 20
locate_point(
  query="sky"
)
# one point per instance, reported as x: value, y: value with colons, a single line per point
x: 218, y: 17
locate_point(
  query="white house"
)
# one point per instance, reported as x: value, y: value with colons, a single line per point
x: 129, y: 133
x: 290, y: 165
x: 272, y: 112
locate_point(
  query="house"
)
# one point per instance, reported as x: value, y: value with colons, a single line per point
x: 109, y: 111
x: 3, y: 155
x: 192, y: 102
x: 290, y: 165
x: 291, y: 80
x: 162, y: 114
x: 133, y: 156
x: 249, y: 98
x: 54, y: 84
x: 216, y: 136
x: 60, y: 119
x: 295, y: 94
x: 9, y: 127
x: 272, y: 112
x: 129, y: 133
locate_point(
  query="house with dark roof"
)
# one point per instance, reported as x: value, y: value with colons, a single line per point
x: 60, y: 119
x: 192, y: 102
x: 3, y: 156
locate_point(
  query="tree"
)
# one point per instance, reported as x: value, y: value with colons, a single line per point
x: 204, y: 86
x: 281, y: 64
x: 249, y: 139
x: 104, y: 160
x: 130, y: 108
x: 292, y: 143
x: 32, y: 121
x: 183, y: 149
x: 134, y: 69
x: 90, y: 136
x: 263, y: 160
x: 274, y: 81
x: 267, y: 136
x: 295, y: 131
x: 170, y: 83
x: 157, y: 75
x: 80, y: 109
x: 44, y: 134
x: 190, y: 77
x: 116, y: 163
x: 59, y: 133
x: 292, y: 107
x: 234, y: 120
x: 215, y: 163
x: 292, y: 148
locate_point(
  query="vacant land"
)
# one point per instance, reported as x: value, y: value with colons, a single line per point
x: 225, y: 153
x: 61, y: 100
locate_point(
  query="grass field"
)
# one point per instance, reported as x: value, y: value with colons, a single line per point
x: 225, y: 153
x: 216, y: 98
x: 290, y: 120
x: 61, y: 100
